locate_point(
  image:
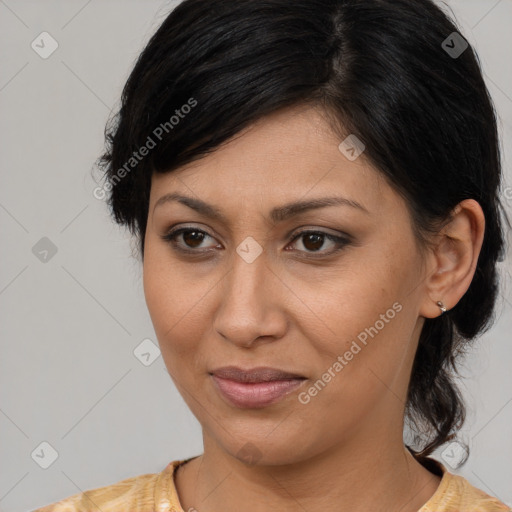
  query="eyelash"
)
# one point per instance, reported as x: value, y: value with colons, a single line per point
x: 341, y: 242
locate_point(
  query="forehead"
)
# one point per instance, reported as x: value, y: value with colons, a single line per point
x: 289, y: 155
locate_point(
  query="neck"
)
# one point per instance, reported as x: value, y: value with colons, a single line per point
x: 379, y: 474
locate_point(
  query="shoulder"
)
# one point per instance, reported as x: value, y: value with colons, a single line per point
x: 456, y: 494
x: 134, y: 494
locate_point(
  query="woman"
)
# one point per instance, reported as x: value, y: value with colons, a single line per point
x: 314, y: 187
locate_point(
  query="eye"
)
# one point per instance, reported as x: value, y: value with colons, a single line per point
x: 313, y: 241
x: 192, y: 237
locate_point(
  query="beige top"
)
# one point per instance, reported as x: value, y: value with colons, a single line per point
x: 156, y: 492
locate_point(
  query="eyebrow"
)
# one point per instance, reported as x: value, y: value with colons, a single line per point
x: 277, y: 214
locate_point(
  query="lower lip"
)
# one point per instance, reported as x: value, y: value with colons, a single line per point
x: 255, y: 394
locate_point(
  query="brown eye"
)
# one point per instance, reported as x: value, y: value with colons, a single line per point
x: 313, y: 241
x: 192, y: 239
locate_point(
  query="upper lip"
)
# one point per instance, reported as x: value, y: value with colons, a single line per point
x: 259, y: 374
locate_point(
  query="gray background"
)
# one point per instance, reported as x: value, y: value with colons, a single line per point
x: 69, y: 326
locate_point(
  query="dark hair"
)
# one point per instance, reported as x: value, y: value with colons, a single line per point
x: 384, y: 70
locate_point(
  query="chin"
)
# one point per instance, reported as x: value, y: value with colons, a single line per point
x: 252, y: 455
x: 272, y: 450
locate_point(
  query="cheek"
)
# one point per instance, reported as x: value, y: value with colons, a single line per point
x: 369, y: 342
x: 369, y: 316
x: 175, y: 305
x: 358, y: 302
x: 362, y: 370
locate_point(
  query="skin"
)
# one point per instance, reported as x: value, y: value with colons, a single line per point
x: 288, y: 310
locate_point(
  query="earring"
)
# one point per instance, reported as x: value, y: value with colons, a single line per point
x: 441, y: 306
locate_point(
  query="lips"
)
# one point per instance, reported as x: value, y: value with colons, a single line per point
x: 256, y: 387
x: 260, y: 374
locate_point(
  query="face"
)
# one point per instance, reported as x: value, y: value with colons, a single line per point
x: 331, y: 294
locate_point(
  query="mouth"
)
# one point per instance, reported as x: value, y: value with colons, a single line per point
x: 256, y: 387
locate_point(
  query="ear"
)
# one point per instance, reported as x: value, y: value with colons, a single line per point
x: 452, y: 262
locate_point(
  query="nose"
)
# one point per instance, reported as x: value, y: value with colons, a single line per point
x: 251, y: 304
